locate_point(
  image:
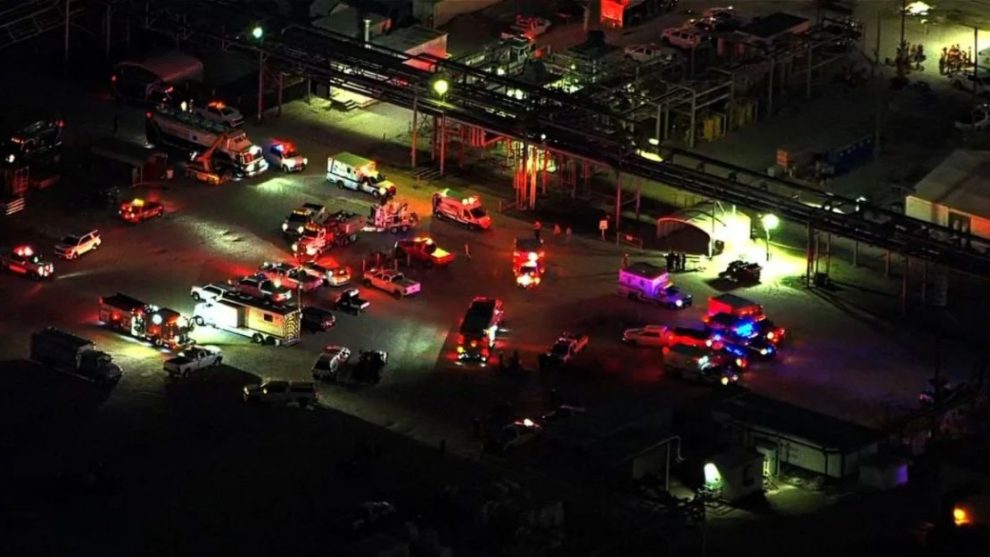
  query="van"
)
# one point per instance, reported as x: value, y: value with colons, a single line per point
x: 150, y: 80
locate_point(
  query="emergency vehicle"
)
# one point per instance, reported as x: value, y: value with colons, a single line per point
x: 392, y: 216
x: 704, y: 364
x: 528, y: 262
x: 218, y: 111
x: 282, y: 154
x: 358, y: 174
x: 259, y: 320
x: 340, y: 229
x: 734, y: 305
x: 229, y: 148
x: 478, y: 329
x: 137, y: 210
x: 160, y: 326
x: 649, y: 283
x: 307, y: 213
x: 23, y: 260
x: 425, y: 250
x: 36, y: 140
x: 466, y: 211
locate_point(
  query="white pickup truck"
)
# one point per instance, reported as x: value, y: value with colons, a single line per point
x: 191, y: 360
x: 393, y: 282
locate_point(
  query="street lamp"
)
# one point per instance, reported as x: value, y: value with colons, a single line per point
x: 770, y: 222
x: 440, y: 87
x: 257, y: 32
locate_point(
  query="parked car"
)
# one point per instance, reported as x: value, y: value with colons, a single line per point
x: 514, y: 434
x: 219, y: 112
x: 317, y: 319
x: 71, y: 247
x: 302, y: 393
x: 332, y: 275
x: 261, y: 287
x: 968, y: 81
x: 138, y: 210
x: 687, y: 37
x: 391, y: 281
x: 647, y: 335
x: 644, y: 53
x: 351, y: 301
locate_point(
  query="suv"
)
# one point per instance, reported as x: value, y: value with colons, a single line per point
x: 208, y: 292
x: 650, y: 53
x: 220, y: 113
x: 259, y: 286
x: 682, y: 37
x: 302, y: 393
x: 71, y: 247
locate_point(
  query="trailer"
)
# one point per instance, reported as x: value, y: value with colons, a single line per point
x: 392, y: 216
x: 160, y: 326
x: 190, y: 133
x: 259, y: 320
x: 67, y: 353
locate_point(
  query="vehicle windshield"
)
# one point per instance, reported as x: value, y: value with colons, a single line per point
x: 478, y: 213
x: 559, y: 349
x: 296, y: 217
x: 71, y: 240
x: 376, y: 178
x: 288, y: 153
x: 228, y: 111
x: 671, y: 290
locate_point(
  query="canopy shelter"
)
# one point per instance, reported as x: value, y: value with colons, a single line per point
x: 706, y: 228
x: 138, y: 161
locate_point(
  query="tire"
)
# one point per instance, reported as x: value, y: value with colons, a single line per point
x: 397, y: 294
x: 405, y: 228
x: 367, y: 282
x: 393, y: 230
x: 257, y: 338
x: 285, y: 169
x: 185, y: 374
x: 340, y: 184
x: 271, y: 341
x: 198, y: 321
x: 218, y: 362
x: 71, y: 255
x: 198, y: 298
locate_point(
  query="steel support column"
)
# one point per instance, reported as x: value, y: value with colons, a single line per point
x: 415, y: 131
x: 807, y: 83
x: 443, y: 143
x: 281, y: 87
x: 904, y: 284
x: 107, y: 22
x: 770, y: 90
x: 618, y: 203
x: 261, y: 84
x: 810, y: 256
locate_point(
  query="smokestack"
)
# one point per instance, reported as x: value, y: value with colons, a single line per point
x: 367, y: 29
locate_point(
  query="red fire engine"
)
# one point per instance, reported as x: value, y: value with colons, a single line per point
x: 159, y: 326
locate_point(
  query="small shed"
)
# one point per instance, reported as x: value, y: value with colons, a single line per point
x: 735, y: 474
x: 128, y: 162
x: 954, y: 194
x: 793, y: 435
x: 706, y: 228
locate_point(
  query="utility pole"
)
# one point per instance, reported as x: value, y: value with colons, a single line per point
x: 67, y: 19
x: 903, y: 24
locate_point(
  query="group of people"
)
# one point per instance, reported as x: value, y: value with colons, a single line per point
x: 953, y: 59
x: 676, y: 261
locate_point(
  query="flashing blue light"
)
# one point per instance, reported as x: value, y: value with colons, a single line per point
x: 746, y: 329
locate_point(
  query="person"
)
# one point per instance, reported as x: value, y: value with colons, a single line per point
x: 569, y: 233
x: 683, y: 262
x: 670, y: 261
x: 556, y: 230
x: 537, y: 228
x: 942, y: 59
x: 625, y: 260
x: 516, y: 361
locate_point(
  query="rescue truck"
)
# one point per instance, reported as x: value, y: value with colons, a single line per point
x: 339, y: 229
x: 23, y: 260
x: 477, y: 331
x: 392, y: 216
x: 229, y: 148
x: 649, y: 283
x: 259, y: 320
x: 39, y: 140
x: 528, y: 262
x: 67, y: 353
x: 359, y: 174
x: 160, y: 326
x: 467, y: 211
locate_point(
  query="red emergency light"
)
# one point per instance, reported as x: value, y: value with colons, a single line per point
x: 24, y: 251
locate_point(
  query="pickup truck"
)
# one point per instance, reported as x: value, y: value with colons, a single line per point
x: 393, y: 282
x: 566, y: 347
x: 282, y: 392
x: 423, y: 250
x: 23, y: 260
x: 191, y: 360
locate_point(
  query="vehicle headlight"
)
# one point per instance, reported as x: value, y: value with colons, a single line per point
x: 299, y: 229
x: 679, y: 303
x: 295, y: 246
x: 290, y: 163
x: 285, y: 226
x: 305, y: 161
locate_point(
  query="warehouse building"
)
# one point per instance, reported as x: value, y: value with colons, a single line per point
x: 954, y: 194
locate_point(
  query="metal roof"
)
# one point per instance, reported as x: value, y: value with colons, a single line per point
x: 959, y: 183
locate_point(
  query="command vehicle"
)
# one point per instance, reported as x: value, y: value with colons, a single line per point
x: 160, y: 326
x: 350, y: 300
x: 648, y: 283
x: 221, y: 113
x: 528, y: 262
x: 745, y: 328
x: 230, y: 149
x: 391, y: 281
x: 478, y: 329
x: 261, y: 287
x: 335, y: 365
x: 563, y: 350
x: 67, y: 353
x: 699, y: 363
x: 283, y: 155
x: 307, y: 213
x: 259, y: 320
x: 192, y: 359
x: 138, y: 210
x: 463, y: 210
x: 71, y: 247
x: 392, y: 216
x: 331, y: 273
x: 152, y: 80
x: 423, y: 250
x: 302, y: 393
x: 23, y: 260
x: 733, y: 305
x: 291, y: 276
x: 359, y: 174
x: 647, y: 335
x: 38, y: 141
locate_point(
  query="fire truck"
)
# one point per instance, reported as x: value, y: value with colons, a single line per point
x: 230, y: 148
x: 160, y: 326
x: 39, y: 140
x: 392, y: 216
x: 467, y: 211
x: 259, y: 320
x: 478, y: 329
x: 528, y: 262
x: 340, y: 229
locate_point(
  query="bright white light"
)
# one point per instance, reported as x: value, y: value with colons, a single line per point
x: 712, y: 475
x: 917, y: 8
x: 770, y: 221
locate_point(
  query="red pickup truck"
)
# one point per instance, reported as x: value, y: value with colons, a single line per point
x: 424, y: 250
